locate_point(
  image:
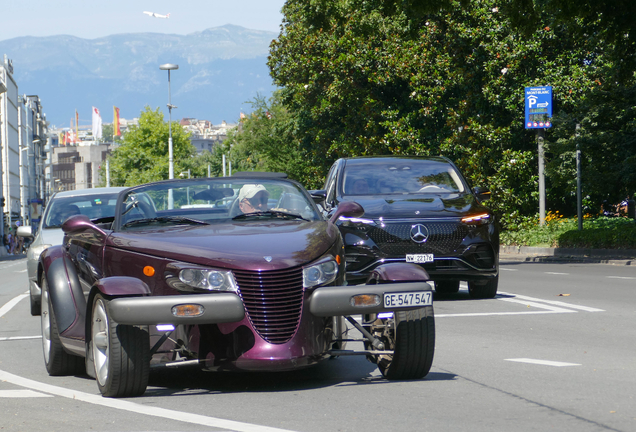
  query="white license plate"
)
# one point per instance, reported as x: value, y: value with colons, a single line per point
x: 408, y: 299
x: 419, y: 258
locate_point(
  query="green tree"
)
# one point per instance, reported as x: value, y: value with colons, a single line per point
x: 363, y: 78
x: 143, y: 155
x: 607, y: 139
x: 616, y: 17
x: 266, y: 141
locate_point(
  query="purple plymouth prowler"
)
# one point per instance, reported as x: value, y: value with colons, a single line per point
x: 237, y: 273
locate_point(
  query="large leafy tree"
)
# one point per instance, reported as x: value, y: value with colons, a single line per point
x: 377, y: 77
x: 267, y: 141
x: 143, y: 155
x: 603, y: 127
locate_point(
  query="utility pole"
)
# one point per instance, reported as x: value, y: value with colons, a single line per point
x: 540, y: 138
x: 579, y: 200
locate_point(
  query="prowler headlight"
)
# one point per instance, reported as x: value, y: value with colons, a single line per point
x: 213, y: 280
x: 320, y: 274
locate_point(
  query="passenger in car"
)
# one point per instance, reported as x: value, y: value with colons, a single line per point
x: 65, y: 212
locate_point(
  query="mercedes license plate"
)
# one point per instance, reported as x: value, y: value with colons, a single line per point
x: 419, y: 258
x: 408, y: 299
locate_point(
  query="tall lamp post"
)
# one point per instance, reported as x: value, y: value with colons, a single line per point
x: 169, y: 67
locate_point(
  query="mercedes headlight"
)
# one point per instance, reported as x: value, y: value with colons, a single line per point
x: 353, y: 222
x: 477, y: 219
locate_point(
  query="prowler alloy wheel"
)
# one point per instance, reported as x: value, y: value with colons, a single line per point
x: 120, y: 353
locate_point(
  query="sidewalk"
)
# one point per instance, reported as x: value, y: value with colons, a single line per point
x: 4, y: 255
x: 543, y: 254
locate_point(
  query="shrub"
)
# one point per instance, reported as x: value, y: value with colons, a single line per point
x: 603, y: 233
x: 558, y: 231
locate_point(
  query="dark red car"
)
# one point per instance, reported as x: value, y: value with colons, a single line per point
x: 237, y: 273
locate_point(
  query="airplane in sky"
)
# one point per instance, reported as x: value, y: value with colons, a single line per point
x: 156, y: 15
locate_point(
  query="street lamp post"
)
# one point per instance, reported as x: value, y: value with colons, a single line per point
x: 169, y: 67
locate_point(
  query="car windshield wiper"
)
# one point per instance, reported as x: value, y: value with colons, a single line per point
x: 176, y: 220
x: 269, y: 214
x: 105, y: 219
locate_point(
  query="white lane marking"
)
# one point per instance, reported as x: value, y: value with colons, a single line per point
x: 621, y: 277
x: 498, y: 313
x: 21, y: 394
x: 507, y: 269
x: 543, y: 362
x: 20, y: 271
x: 535, y: 304
x: 554, y: 302
x: 136, y: 408
x: 14, y: 338
x: 556, y: 273
x: 549, y: 306
x: 9, y: 305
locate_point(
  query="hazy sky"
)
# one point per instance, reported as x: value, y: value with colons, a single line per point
x: 92, y: 19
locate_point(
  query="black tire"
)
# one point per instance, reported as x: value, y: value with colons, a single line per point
x: 36, y: 307
x: 57, y: 361
x: 483, y: 289
x: 447, y: 286
x: 411, y: 336
x: 120, y: 354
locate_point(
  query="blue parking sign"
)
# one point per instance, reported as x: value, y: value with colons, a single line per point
x: 538, y: 107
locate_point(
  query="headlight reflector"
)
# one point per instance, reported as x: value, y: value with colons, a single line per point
x: 320, y: 274
x: 213, y: 280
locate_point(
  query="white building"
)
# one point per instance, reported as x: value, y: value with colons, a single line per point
x: 23, y: 147
x: 34, y: 145
x: 204, y: 136
x: 9, y: 139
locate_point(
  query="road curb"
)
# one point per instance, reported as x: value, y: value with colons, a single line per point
x: 578, y: 255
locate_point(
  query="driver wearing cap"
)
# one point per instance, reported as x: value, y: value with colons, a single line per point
x: 253, y: 198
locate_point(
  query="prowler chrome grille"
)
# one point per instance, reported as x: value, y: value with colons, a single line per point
x: 273, y: 301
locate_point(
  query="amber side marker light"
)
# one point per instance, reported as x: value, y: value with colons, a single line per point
x: 149, y: 271
x: 188, y: 310
x: 476, y: 218
x: 365, y: 300
x: 338, y: 259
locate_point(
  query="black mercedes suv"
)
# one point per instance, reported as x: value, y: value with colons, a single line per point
x: 420, y: 210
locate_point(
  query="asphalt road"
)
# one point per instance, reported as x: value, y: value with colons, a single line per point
x: 554, y: 351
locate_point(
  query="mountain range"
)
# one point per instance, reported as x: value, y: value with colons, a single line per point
x: 220, y: 71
